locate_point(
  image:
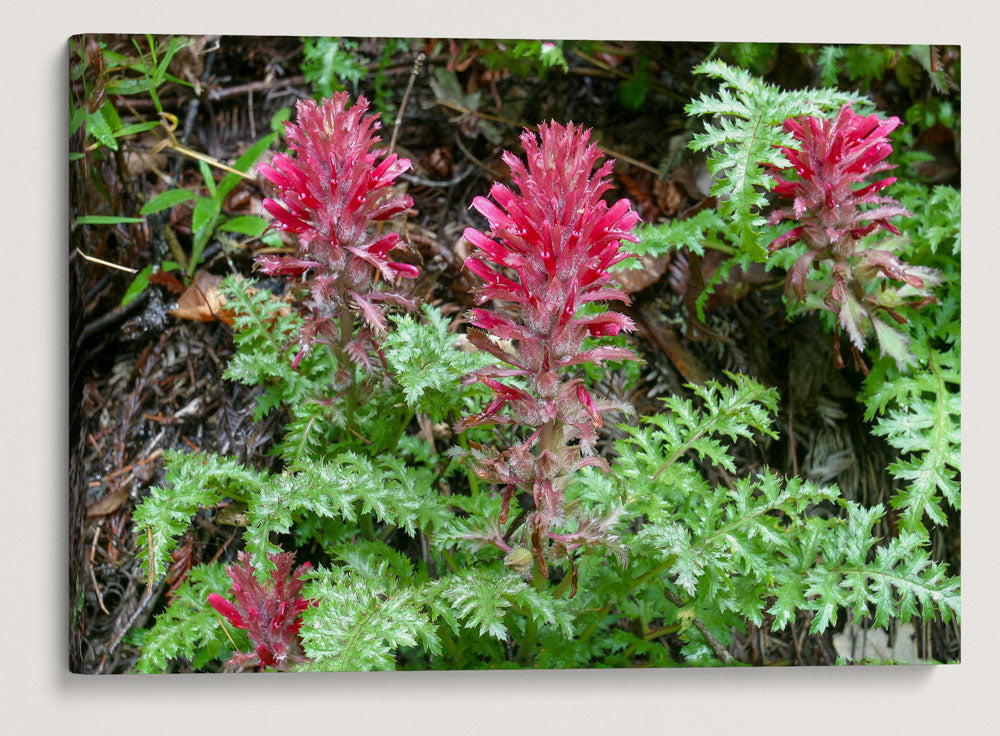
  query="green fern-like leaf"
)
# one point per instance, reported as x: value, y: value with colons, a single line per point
x: 828, y: 62
x: 479, y: 599
x: 368, y: 558
x: 705, y: 228
x: 926, y: 429
x: 311, y: 433
x: 330, y: 64
x: 266, y: 332
x: 920, y: 411
x: 193, y: 481
x: 941, y: 227
x: 745, y: 137
x: 406, y: 498
x: 759, y: 542
x: 735, y: 536
x: 901, y: 582
x: 324, y: 491
x: 394, y: 492
x: 753, y: 56
x: 425, y: 360
x: 759, y: 546
x: 864, y: 63
x: 358, y: 621
x: 189, y: 628
x: 650, y: 454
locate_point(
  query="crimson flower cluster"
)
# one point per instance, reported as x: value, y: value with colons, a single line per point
x: 328, y: 195
x: 833, y: 217
x: 557, y: 239
x: 270, y: 614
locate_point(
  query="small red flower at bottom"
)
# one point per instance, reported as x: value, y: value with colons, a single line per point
x: 270, y: 614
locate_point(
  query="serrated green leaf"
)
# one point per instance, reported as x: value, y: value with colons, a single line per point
x: 427, y: 362
x: 330, y: 64
x: 925, y: 426
x: 357, y: 622
x: 893, y: 343
x: 98, y: 127
x: 189, y: 628
x: 192, y: 481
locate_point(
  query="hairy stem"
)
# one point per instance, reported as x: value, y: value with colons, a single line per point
x: 402, y: 430
x: 346, y: 333
x: 526, y: 651
x: 470, y: 473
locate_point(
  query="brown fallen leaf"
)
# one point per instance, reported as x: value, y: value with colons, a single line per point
x: 649, y: 326
x: 669, y: 198
x: 638, y: 188
x: 202, y: 301
x: 647, y: 271
x: 143, y: 155
x: 167, y: 280
x: 107, y: 505
x: 188, y: 63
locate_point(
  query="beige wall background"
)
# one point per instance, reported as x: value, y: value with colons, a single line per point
x: 40, y: 696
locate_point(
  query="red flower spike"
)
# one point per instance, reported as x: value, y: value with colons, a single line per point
x: 269, y: 613
x: 328, y: 193
x: 551, y: 244
x: 833, y: 217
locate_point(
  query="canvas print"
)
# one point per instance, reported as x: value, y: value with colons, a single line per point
x: 429, y: 353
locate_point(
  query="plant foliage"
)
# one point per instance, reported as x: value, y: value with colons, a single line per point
x: 744, y: 134
x: 189, y: 628
x: 193, y: 481
x: 331, y: 65
x: 919, y: 411
x: 655, y: 548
